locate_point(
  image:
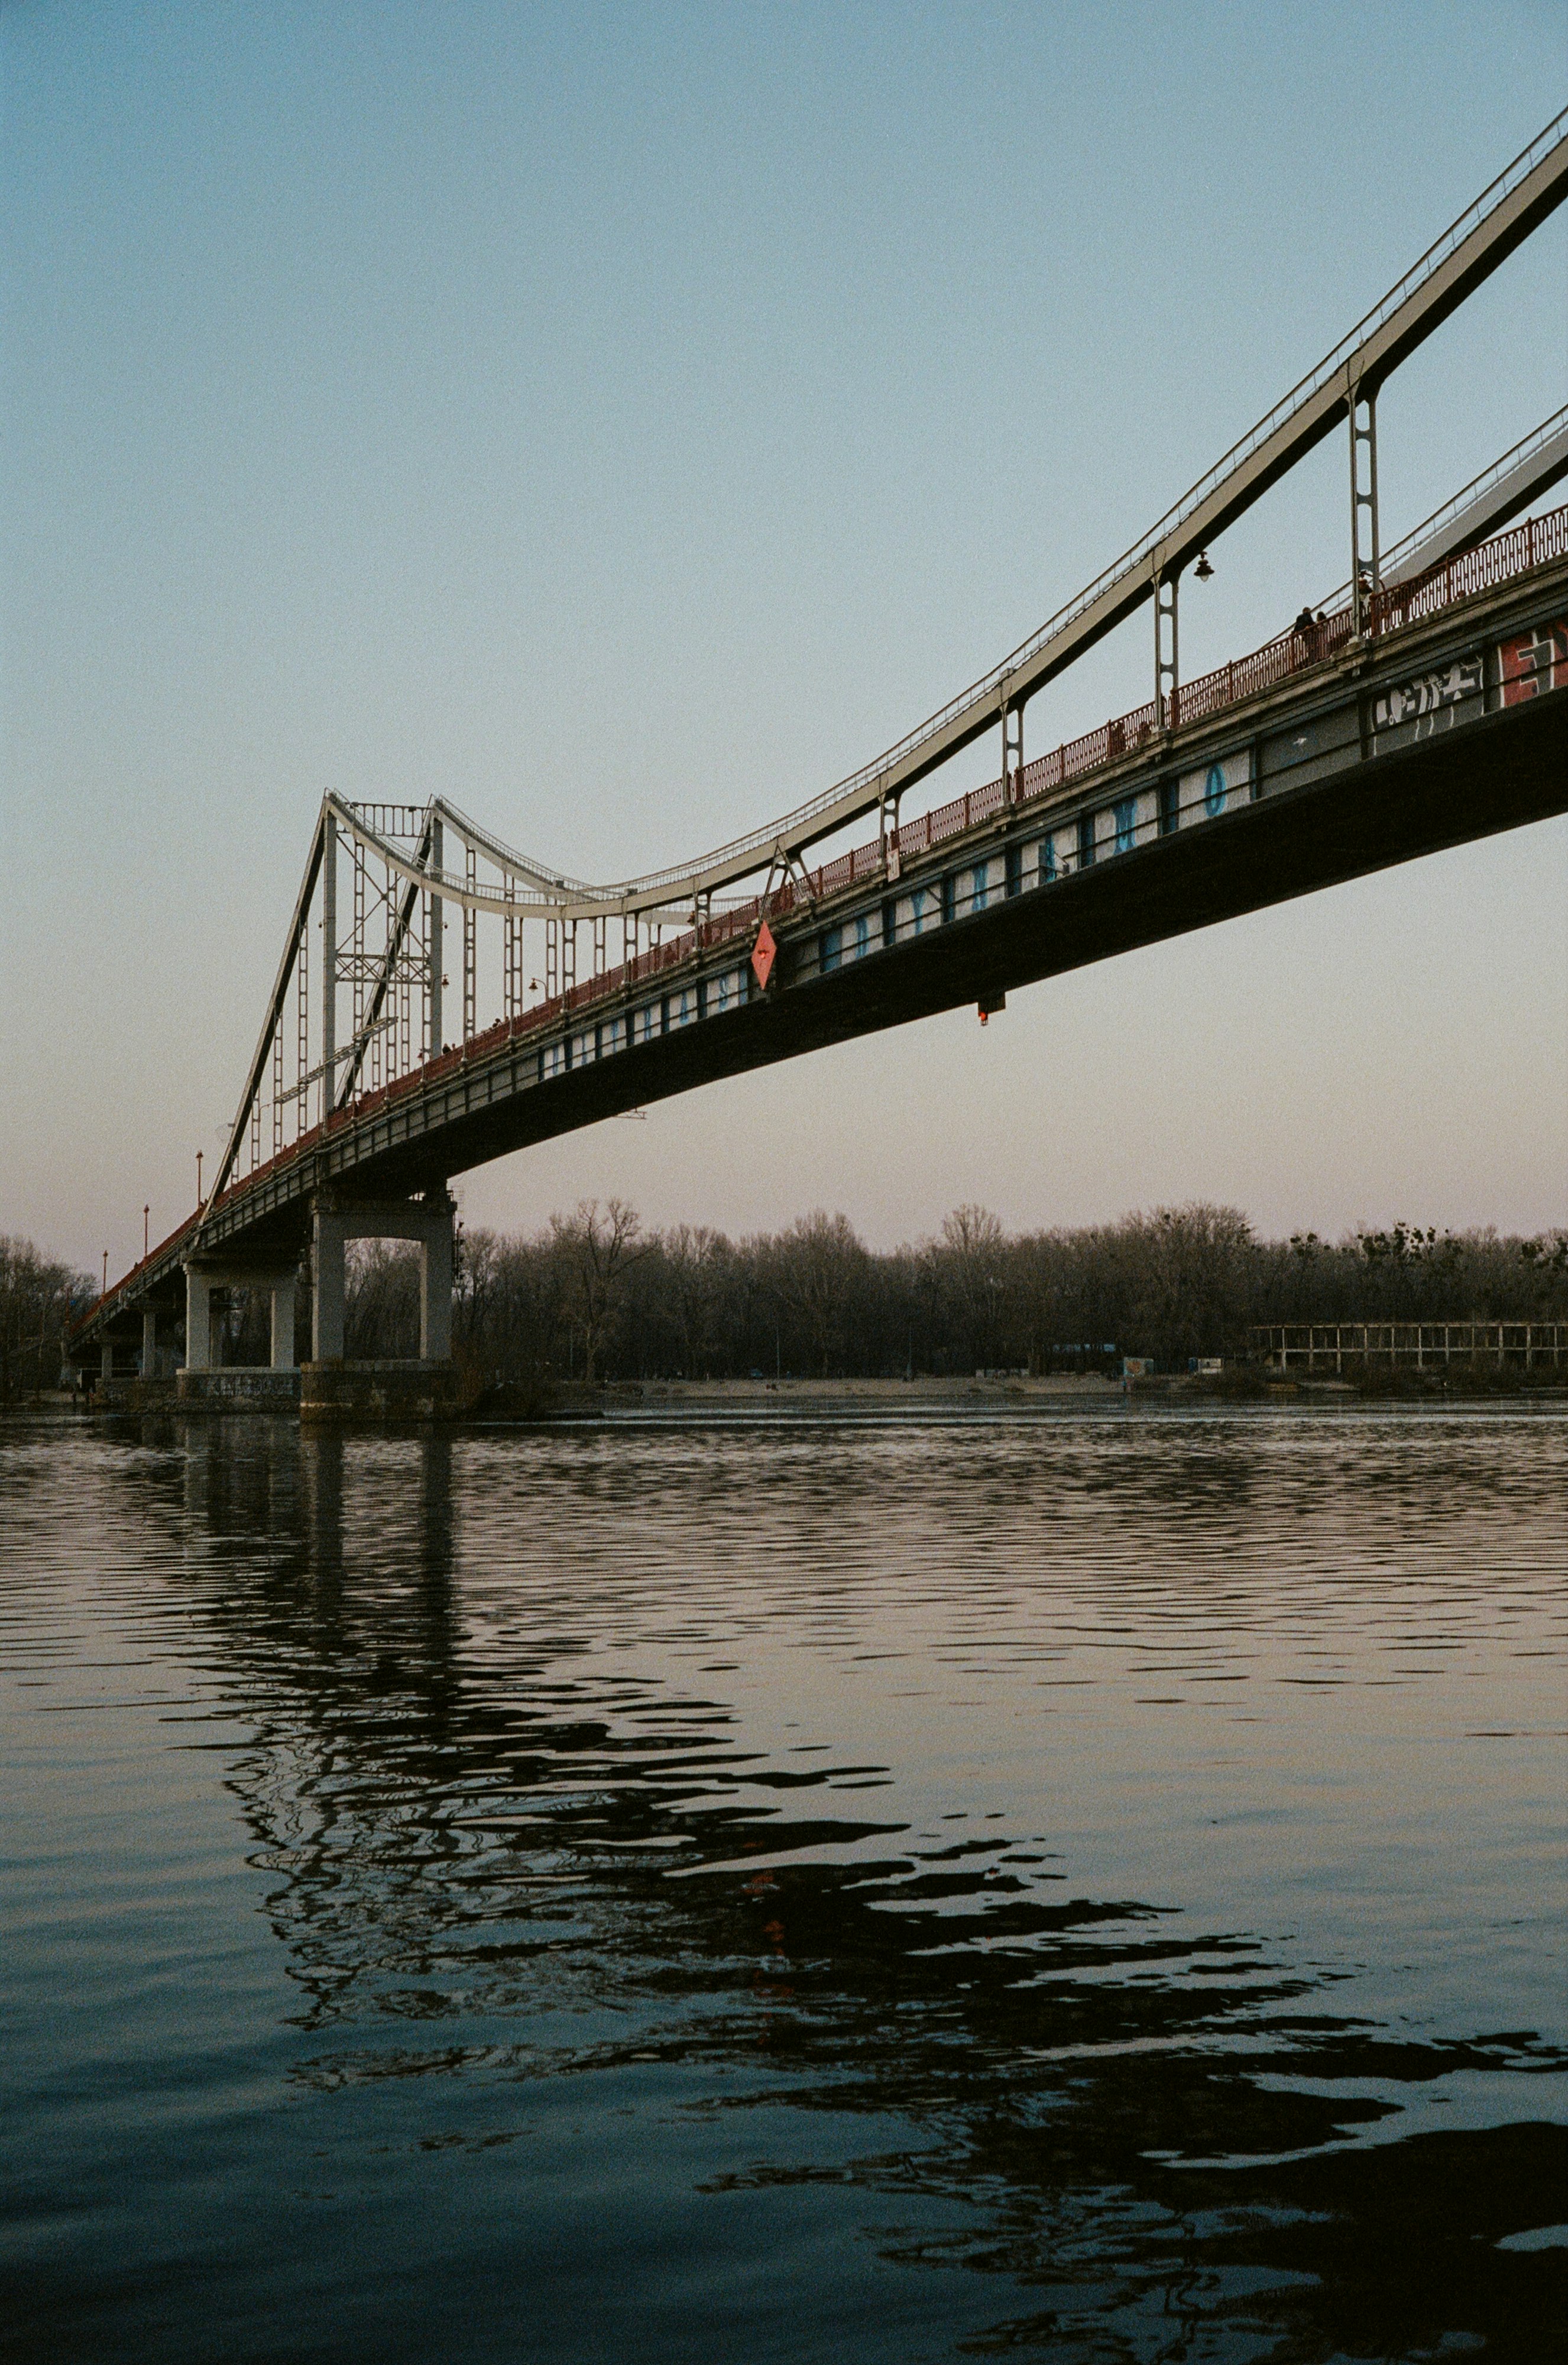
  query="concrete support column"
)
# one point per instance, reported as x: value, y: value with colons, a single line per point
x: 330, y: 1238
x: 106, y: 1360
x: 150, y: 1344
x: 435, y: 1285
x: 198, y: 1320
x: 283, y: 1323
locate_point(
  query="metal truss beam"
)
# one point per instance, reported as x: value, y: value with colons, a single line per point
x: 386, y: 976
x: 1487, y: 504
x: 225, y: 1166
x: 1470, y: 250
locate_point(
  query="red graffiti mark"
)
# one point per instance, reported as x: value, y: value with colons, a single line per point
x: 1534, y: 663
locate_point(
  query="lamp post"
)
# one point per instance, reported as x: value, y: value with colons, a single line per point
x: 105, y: 1291
x: 146, y: 1213
x: 198, y: 1182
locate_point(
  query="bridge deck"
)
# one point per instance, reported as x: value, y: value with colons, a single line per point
x: 1314, y: 760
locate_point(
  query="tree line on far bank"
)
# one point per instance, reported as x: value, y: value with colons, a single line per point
x: 592, y: 1295
x: 39, y: 1296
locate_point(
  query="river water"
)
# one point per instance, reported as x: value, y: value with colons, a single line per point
x: 1080, y: 1884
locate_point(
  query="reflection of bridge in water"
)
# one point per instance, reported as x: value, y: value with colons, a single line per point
x: 1426, y: 707
x: 536, y: 1869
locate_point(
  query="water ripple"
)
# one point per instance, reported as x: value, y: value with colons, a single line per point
x: 1087, y: 1884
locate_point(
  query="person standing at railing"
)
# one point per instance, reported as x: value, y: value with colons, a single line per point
x: 1307, y: 632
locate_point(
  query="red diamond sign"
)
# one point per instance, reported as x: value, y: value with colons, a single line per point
x: 763, y: 954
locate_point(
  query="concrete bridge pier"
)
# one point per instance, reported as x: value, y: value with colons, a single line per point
x: 283, y: 1291
x: 203, y: 1275
x: 128, y: 1351
x: 427, y: 1221
x: 437, y: 1269
x: 421, y: 1389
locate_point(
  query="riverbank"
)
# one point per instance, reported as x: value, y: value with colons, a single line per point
x: 1243, y: 1383
x: 925, y: 1389
x: 527, y: 1401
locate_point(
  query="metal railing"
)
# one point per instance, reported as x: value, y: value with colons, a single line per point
x: 1324, y: 1345
x: 1535, y: 542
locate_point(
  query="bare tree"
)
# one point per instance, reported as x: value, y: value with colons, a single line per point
x: 37, y: 1297
x: 509, y: 1304
x: 969, y: 1266
x: 595, y: 1249
x: 1188, y: 1273
x: 381, y: 1299
x: 696, y: 1269
x: 817, y: 1266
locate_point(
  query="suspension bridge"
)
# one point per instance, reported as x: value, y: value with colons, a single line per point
x: 442, y: 999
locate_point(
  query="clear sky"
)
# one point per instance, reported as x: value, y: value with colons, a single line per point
x: 625, y: 421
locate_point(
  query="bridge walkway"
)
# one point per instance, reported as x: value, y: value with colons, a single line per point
x: 1321, y: 755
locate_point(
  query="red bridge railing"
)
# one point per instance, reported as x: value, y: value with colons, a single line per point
x: 1537, y: 543
x: 1534, y: 544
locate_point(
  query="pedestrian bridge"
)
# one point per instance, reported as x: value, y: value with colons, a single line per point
x: 1424, y: 706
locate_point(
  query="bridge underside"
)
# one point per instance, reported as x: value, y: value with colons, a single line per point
x: 1500, y: 772
x: 1454, y: 729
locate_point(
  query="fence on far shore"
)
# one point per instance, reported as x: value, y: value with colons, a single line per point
x: 1329, y: 1346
